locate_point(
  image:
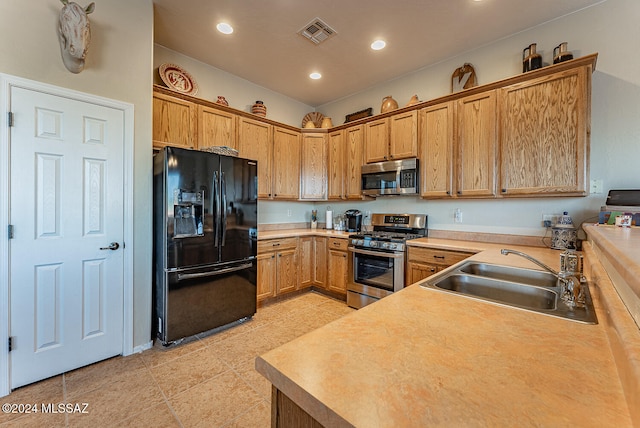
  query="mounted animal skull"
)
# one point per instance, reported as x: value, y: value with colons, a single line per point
x: 74, y: 34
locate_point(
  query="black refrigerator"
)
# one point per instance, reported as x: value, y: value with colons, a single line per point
x: 205, y: 241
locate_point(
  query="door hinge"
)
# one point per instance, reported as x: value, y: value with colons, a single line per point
x: 10, y: 119
x: 10, y: 343
x: 10, y: 231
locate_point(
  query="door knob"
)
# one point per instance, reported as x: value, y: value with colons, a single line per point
x: 113, y: 246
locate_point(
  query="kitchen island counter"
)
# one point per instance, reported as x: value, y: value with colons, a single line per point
x: 424, y: 357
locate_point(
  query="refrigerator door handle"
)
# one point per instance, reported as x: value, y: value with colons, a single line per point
x: 185, y: 276
x: 223, y: 192
x: 216, y: 220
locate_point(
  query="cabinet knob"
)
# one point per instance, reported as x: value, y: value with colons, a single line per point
x: 438, y: 257
x: 459, y: 192
x: 504, y: 190
x: 448, y: 192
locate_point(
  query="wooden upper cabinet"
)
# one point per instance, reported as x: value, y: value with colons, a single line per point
x: 174, y: 122
x: 255, y: 141
x: 403, y: 135
x: 377, y: 140
x: 336, y: 165
x: 544, y: 135
x: 286, y: 163
x: 436, y: 151
x: 476, y: 145
x: 216, y: 128
x: 354, y: 139
x: 313, y: 179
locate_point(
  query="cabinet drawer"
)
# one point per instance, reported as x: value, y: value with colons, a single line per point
x: 441, y: 257
x: 338, y: 244
x: 276, y: 244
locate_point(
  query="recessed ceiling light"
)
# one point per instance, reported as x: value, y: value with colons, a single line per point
x: 224, y: 28
x: 315, y: 75
x: 378, y: 44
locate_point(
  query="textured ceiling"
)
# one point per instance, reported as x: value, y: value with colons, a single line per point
x: 266, y: 49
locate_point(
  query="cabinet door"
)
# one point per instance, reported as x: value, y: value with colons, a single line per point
x: 403, y: 135
x: 216, y: 128
x: 313, y: 167
x: 286, y: 163
x: 337, y: 269
x: 376, y: 141
x: 266, y: 275
x: 436, y: 151
x: 320, y: 265
x: 306, y: 251
x: 255, y: 141
x: 544, y: 138
x: 355, y: 147
x: 420, y: 271
x: 174, y: 122
x: 336, y: 165
x: 476, y: 145
x: 287, y: 268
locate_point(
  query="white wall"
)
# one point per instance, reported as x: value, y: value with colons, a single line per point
x: 611, y: 29
x: 240, y: 93
x: 118, y: 66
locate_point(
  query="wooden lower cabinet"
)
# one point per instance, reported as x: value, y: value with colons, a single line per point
x: 320, y: 265
x: 337, y: 265
x: 307, y: 260
x: 277, y: 267
x: 424, y: 262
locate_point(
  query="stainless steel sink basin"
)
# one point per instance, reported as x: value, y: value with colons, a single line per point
x: 527, y: 289
x: 507, y: 273
x: 510, y: 293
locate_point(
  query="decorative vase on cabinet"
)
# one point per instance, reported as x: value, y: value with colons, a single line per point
x: 259, y: 109
x: 388, y: 104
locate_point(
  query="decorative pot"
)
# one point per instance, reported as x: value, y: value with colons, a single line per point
x: 326, y: 123
x: 388, y: 104
x: 413, y: 100
x: 222, y: 101
x: 530, y: 59
x: 259, y: 109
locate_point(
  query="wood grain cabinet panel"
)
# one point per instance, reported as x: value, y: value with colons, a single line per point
x: 336, y: 173
x: 216, y: 128
x: 174, y: 122
x: 255, y: 141
x: 354, y: 138
x: 403, y: 135
x: 436, y: 151
x: 266, y: 279
x: 376, y: 140
x: 307, y: 260
x: 544, y: 135
x: 286, y: 163
x: 313, y: 168
x: 476, y: 153
x: 320, y: 265
x: 423, y: 262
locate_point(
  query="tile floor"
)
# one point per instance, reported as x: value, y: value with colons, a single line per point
x: 206, y: 381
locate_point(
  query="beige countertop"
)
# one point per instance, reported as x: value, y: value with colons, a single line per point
x: 424, y: 357
x: 288, y: 233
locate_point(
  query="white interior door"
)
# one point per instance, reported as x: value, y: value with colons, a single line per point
x: 66, y: 206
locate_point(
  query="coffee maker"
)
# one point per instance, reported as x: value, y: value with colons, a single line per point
x: 353, y: 220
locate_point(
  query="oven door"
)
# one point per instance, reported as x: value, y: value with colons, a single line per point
x: 376, y: 273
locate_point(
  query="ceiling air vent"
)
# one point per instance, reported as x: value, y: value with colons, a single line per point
x: 317, y: 31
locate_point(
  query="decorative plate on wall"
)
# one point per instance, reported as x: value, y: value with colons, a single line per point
x: 314, y: 117
x: 178, y: 79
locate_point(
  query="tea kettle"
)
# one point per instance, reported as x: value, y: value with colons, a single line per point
x: 530, y: 59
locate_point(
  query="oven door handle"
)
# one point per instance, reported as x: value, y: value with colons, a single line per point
x: 376, y: 253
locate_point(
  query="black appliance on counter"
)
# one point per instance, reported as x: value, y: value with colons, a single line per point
x: 205, y: 241
x: 354, y: 220
x: 376, y: 265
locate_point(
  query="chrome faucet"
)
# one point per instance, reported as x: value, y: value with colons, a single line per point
x: 571, y: 289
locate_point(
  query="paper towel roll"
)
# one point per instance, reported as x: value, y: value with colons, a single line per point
x: 329, y: 220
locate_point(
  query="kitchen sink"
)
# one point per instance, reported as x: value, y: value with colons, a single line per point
x: 508, y: 273
x: 527, y: 289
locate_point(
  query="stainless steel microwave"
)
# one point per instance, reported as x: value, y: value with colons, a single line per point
x: 390, y: 178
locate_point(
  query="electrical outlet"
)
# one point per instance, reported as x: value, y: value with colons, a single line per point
x: 595, y: 187
x: 288, y: 213
x: 548, y: 220
x: 457, y: 216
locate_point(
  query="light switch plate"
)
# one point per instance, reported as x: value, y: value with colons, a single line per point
x: 595, y: 187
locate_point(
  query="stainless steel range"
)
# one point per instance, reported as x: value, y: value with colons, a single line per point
x: 377, y: 262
